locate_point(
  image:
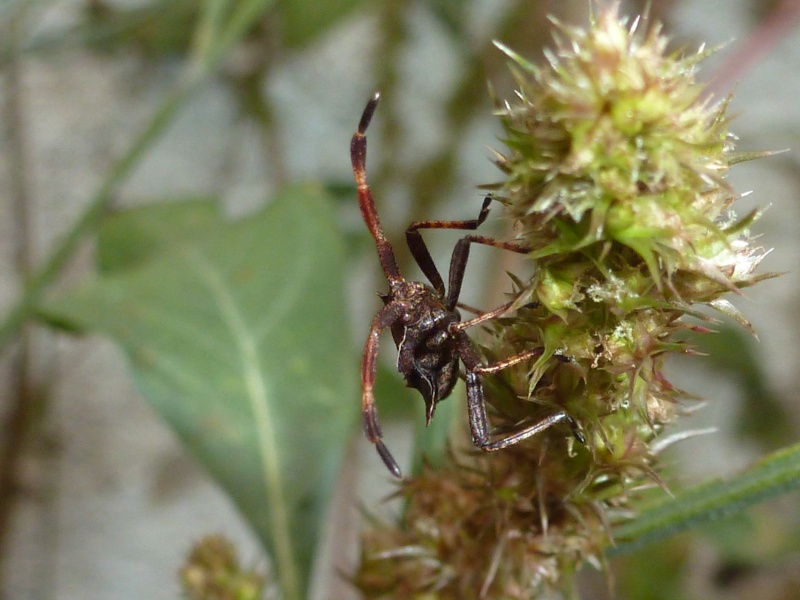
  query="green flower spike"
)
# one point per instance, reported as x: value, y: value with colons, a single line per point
x: 614, y: 174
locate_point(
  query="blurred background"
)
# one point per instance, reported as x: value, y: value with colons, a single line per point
x: 99, y: 500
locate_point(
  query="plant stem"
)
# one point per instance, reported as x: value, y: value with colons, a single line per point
x: 22, y: 390
x: 39, y: 280
x: 772, y: 476
x: 208, y: 53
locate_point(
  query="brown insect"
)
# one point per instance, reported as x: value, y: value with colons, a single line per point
x: 426, y: 325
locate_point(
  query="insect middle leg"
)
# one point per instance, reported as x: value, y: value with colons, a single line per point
x: 458, y: 264
x: 420, y: 252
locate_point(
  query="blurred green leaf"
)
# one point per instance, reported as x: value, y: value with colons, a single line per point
x: 158, y: 28
x: 129, y: 239
x: 734, y: 352
x: 394, y: 400
x: 305, y: 20
x: 657, y: 574
x: 238, y: 339
x: 452, y: 14
x: 777, y: 474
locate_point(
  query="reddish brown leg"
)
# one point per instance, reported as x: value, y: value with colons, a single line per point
x: 508, y: 362
x: 420, y: 250
x: 458, y: 262
x: 358, y: 157
x: 468, y: 308
x: 476, y: 402
x: 479, y: 423
x: 482, y: 316
x: 369, y: 364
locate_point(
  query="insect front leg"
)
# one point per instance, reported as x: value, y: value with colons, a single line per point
x: 386, y: 317
x: 358, y: 157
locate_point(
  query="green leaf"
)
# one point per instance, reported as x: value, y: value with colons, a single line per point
x: 305, y: 20
x: 129, y: 239
x: 395, y: 401
x: 452, y: 14
x: 157, y: 29
x: 777, y: 474
x: 238, y: 339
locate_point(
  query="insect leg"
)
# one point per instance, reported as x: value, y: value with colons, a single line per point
x: 420, y: 250
x: 479, y: 423
x: 481, y: 316
x: 358, y: 158
x: 458, y: 262
x: 476, y: 401
x: 369, y: 364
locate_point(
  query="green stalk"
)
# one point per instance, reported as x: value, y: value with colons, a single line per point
x: 777, y: 474
x: 45, y: 275
x: 215, y: 37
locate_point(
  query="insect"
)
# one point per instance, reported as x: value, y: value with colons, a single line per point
x: 426, y: 325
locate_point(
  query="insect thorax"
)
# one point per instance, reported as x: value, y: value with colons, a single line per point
x: 427, y: 355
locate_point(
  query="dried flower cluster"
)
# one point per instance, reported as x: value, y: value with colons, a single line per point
x: 614, y: 175
x: 212, y: 570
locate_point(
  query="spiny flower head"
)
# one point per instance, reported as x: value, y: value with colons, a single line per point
x: 612, y: 142
x: 615, y: 175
